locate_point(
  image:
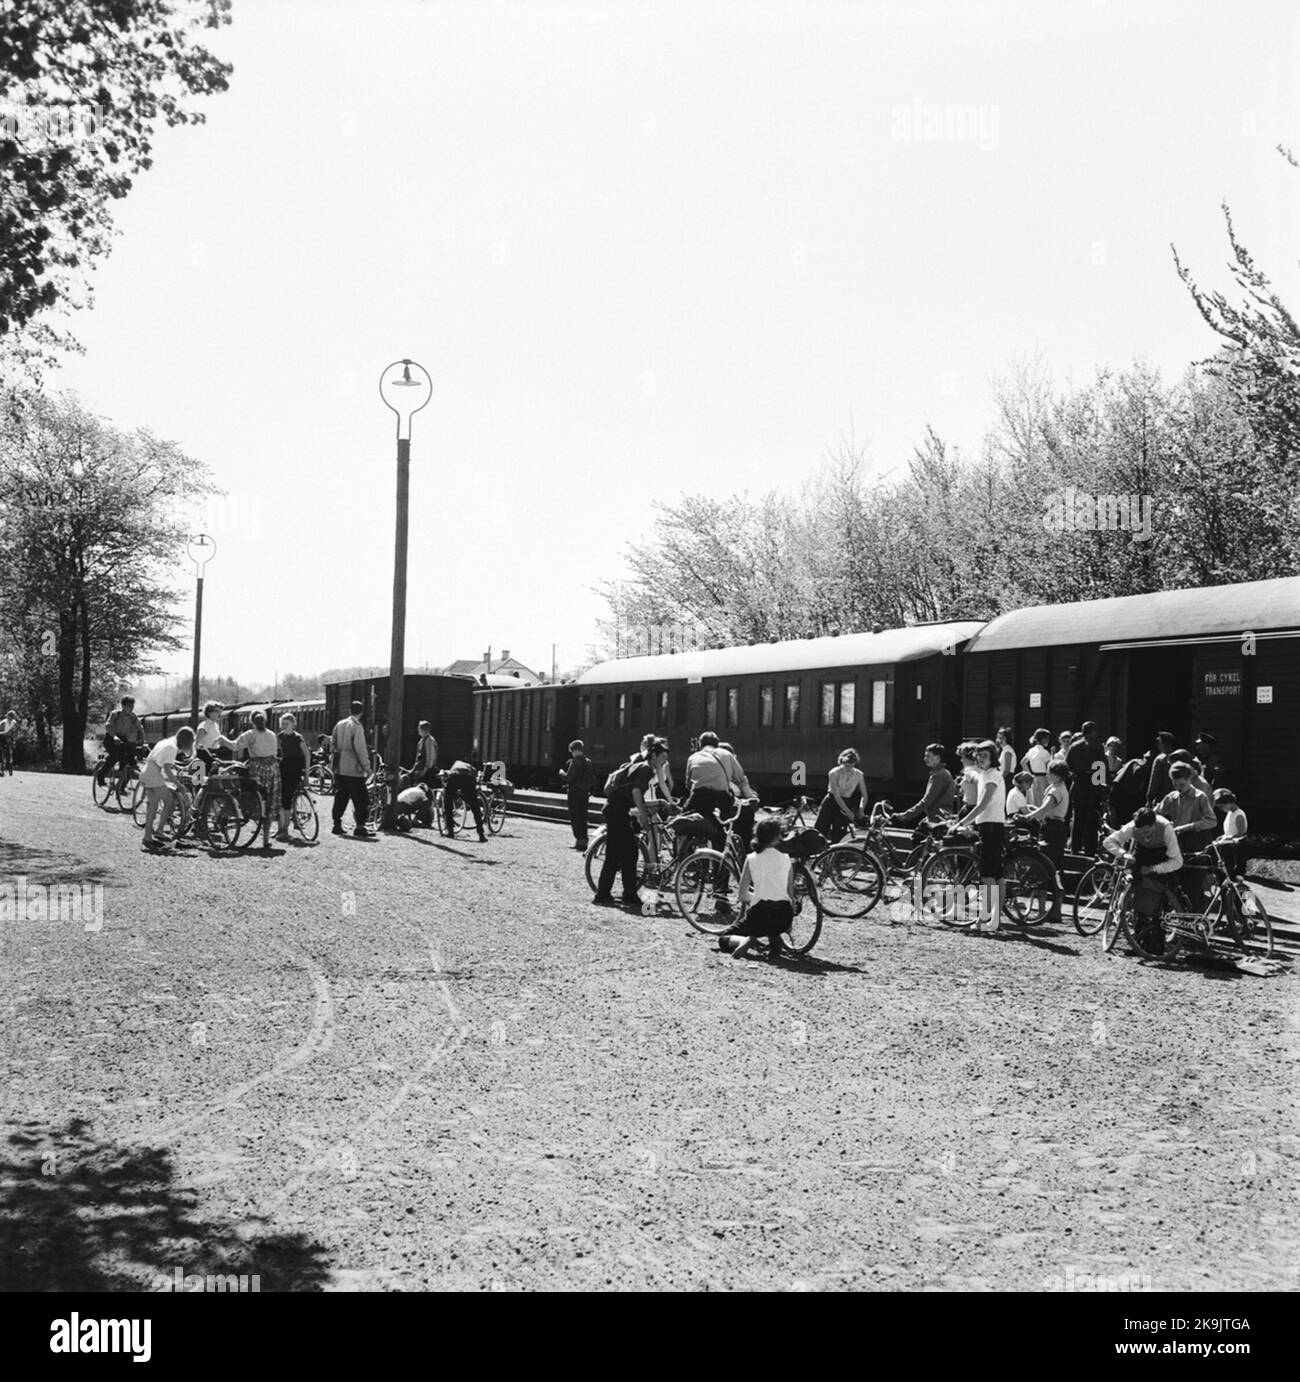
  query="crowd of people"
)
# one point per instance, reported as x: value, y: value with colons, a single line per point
x: 1075, y: 791
x: 279, y: 762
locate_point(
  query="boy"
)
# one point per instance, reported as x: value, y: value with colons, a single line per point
x: 414, y: 805
x: 579, y: 779
x: 1018, y: 796
x: 1232, y: 839
x: 161, y: 782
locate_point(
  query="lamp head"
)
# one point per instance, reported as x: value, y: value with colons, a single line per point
x: 201, y: 549
x: 405, y: 392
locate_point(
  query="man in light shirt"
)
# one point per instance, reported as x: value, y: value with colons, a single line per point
x: 710, y: 772
x: 351, y: 764
x: 1149, y: 846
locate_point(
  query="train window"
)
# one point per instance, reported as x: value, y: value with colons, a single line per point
x: 584, y: 712
x: 848, y: 694
x: 600, y: 710
x: 548, y: 716
x: 826, y: 713
x: 790, y: 709
x: 733, y: 706
x: 711, y: 708
x: 765, y: 694
x: 880, y: 699
x: 661, y: 709
x: 620, y: 710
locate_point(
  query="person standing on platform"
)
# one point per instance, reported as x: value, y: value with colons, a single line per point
x: 579, y: 782
x: 1086, y: 761
x: 351, y: 764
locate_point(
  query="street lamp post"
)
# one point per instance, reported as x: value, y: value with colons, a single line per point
x: 405, y: 394
x: 201, y: 549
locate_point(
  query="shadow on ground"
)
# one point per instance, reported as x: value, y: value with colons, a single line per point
x: 47, y: 866
x: 79, y: 1214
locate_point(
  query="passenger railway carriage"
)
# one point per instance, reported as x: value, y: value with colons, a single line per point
x: 446, y: 702
x: 1222, y: 660
x: 782, y: 704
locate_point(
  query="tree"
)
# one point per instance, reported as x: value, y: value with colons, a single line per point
x: 89, y: 539
x: 83, y: 84
x: 1260, y: 361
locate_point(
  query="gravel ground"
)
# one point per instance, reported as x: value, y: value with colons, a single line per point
x: 416, y: 1063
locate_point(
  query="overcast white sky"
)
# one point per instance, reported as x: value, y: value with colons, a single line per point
x: 643, y: 248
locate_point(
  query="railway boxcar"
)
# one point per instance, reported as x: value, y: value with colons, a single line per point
x: 1223, y: 660
x: 886, y: 694
x: 528, y: 728
x: 446, y: 702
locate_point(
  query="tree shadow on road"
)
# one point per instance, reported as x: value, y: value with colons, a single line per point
x: 49, y: 866
x: 80, y: 1214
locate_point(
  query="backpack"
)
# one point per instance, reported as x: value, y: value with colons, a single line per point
x: 618, y: 778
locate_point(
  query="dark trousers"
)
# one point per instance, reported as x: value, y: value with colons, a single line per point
x: 1053, y: 841
x: 578, y: 805
x: 462, y: 785
x: 1083, y: 832
x: 116, y: 752
x: 351, y: 789
x: 710, y: 803
x: 620, y: 853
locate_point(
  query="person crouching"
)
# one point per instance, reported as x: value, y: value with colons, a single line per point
x: 766, y: 896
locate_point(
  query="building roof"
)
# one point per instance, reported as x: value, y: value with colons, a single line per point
x: 506, y: 666
x: 796, y: 655
x: 1163, y: 616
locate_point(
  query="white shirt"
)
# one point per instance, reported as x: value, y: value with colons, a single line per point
x: 995, y: 813
x: 164, y: 753
x: 209, y: 736
x: 1234, y: 824
x: 1118, y: 841
x: 1037, y: 760
x: 1016, y: 801
x: 260, y: 743
x: 769, y: 876
x: 353, y: 751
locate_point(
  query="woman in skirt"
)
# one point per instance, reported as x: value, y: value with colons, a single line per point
x: 766, y: 896
x: 293, y: 769
x: 260, y: 744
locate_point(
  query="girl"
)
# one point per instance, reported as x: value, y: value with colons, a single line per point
x: 989, y: 817
x: 293, y: 768
x: 1035, y: 761
x: 845, y: 799
x: 1006, y: 756
x: 261, y: 747
x: 766, y: 896
x: 1052, y: 813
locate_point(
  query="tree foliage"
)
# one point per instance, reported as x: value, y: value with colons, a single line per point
x: 90, y: 540
x: 83, y: 85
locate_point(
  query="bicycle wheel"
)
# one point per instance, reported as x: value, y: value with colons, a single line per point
x: 376, y: 800
x: 808, y: 909
x: 850, y: 880
x: 705, y: 888
x: 496, y: 813
x: 99, y: 790
x: 1149, y: 938
x: 1091, y: 898
x: 253, y: 812
x: 222, y: 820
x: 1117, y: 909
x: 594, y: 858
x: 949, y: 887
x: 1030, y: 894
x: 1256, y: 928
x: 139, y: 803
x: 303, y: 817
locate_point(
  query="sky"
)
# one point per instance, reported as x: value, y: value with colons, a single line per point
x: 645, y: 249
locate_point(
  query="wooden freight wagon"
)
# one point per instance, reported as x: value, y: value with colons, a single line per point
x: 886, y: 694
x: 1222, y: 660
x: 446, y: 702
x: 528, y: 728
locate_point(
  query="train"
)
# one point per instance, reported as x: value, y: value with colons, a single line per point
x: 1221, y: 660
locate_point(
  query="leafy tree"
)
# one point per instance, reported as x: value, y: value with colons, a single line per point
x: 89, y: 540
x: 83, y: 85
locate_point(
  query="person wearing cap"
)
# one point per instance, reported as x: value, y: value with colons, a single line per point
x: 579, y: 778
x: 1018, y: 796
x: 1189, y: 811
x: 1158, y: 782
x: 1206, y: 747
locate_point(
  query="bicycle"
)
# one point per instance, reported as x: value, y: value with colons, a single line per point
x: 215, y: 816
x: 321, y: 776
x: 657, y: 855
x: 495, y: 794
x: 126, y: 775
x: 712, y: 875
x: 1030, y: 892
x: 850, y: 877
x: 1093, y: 894
x: 1233, y: 915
